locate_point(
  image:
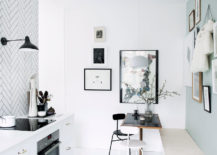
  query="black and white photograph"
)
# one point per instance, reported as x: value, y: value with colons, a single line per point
x: 99, y: 55
x: 99, y: 34
x: 97, y: 79
x: 207, y: 99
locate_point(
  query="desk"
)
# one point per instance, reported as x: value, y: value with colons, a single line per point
x: 133, y: 121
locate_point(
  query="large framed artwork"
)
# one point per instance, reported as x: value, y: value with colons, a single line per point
x: 197, y: 87
x: 98, y: 79
x: 138, y: 75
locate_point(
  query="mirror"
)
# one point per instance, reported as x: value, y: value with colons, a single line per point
x: 138, y: 76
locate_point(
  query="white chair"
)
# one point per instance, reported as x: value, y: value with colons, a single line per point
x: 132, y: 144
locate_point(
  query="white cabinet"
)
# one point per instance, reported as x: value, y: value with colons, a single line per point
x: 29, y: 148
x: 66, y: 137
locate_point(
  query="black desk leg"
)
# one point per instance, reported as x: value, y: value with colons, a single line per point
x: 140, y: 138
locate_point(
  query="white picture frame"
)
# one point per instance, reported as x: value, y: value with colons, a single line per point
x: 214, y: 76
x: 187, y: 59
x: 99, y: 56
x: 215, y: 38
x: 99, y: 34
x: 98, y: 79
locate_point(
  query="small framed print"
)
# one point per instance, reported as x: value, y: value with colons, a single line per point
x: 197, y: 87
x: 197, y: 11
x: 99, y: 34
x: 215, y: 39
x: 214, y: 76
x: 99, y: 56
x: 206, y: 98
x: 97, y: 79
x: 191, y: 20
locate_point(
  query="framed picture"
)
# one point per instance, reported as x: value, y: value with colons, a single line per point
x: 197, y: 87
x: 214, y: 76
x: 188, y: 55
x: 99, y: 34
x: 191, y: 20
x: 215, y: 39
x: 206, y: 98
x: 197, y: 11
x: 97, y: 79
x: 138, y: 75
x: 99, y: 56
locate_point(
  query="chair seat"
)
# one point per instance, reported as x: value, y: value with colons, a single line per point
x: 133, y: 144
x: 119, y: 133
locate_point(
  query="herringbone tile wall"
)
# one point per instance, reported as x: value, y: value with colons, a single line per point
x: 18, y: 18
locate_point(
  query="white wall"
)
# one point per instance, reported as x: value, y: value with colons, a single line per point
x: 130, y: 24
x: 51, y: 56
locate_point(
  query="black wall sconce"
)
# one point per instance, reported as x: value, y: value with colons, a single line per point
x: 27, y: 44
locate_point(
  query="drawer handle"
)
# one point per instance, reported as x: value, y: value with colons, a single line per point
x: 23, y: 151
x: 67, y: 124
x: 68, y: 148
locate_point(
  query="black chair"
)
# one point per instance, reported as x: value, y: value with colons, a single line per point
x: 117, y: 133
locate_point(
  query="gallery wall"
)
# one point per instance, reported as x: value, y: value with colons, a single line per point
x: 200, y: 124
x: 130, y: 24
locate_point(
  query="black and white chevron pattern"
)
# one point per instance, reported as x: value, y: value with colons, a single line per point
x: 18, y: 18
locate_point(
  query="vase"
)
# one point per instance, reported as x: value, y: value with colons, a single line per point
x: 148, y: 112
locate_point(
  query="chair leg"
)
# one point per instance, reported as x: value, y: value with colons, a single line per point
x: 111, y: 144
x: 129, y: 151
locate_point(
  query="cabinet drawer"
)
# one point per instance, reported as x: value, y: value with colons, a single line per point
x: 66, y: 131
x: 24, y: 149
x: 66, y: 149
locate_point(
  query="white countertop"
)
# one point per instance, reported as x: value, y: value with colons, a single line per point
x: 11, y: 138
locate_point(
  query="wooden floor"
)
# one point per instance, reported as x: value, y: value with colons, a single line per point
x: 178, y: 142
x: 175, y: 142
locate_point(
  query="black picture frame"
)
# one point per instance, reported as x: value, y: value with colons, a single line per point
x: 120, y: 75
x: 206, y: 91
x: 99, y: 55
x: 98, y: 69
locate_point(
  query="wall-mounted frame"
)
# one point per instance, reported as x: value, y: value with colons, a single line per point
x: 215, y: 39
x: 99, y: 34
x: 191, y: 20
x: 207, y: 98
x: 98, y: 79
x: 99, y: 56
x: 197, y: 11
x: 187, y: 59
x: 197, y: 87
x: 214, y: 76
x: 138, y: 74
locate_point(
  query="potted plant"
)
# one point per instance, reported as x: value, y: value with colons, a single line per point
x: 43, y: 99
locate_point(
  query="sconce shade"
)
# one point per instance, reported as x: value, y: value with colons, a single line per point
x: 28, y: 44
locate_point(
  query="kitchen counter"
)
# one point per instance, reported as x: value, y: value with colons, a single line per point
x: 11, y: 138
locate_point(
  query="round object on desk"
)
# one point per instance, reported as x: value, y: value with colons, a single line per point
x: 42, y: 113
